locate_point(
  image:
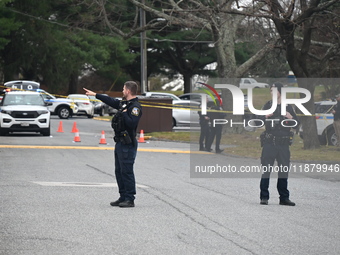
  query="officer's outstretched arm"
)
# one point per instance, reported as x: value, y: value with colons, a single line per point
x: 113, y: 102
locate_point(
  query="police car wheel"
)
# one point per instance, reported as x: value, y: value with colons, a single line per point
x: 173, y: 122
x: 332, y: 137
x: 102, y: 112
x: 46, y: 131
x: 3, y: 132
x: 64, y: 113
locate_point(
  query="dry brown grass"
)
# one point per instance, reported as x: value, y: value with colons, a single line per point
x: 248, y: 145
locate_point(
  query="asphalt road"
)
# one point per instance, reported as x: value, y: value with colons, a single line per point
x: 55, y: 196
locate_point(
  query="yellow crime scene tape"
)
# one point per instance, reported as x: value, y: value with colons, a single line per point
x: 143, y: 103
x: 154, y: 105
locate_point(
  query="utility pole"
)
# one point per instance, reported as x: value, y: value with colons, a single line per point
x: 143, y: 50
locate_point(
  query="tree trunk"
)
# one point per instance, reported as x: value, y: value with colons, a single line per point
x: 297, y: 60
x: 310, y: 133
x: 187, y: 82
x: 73, y: 83
x: 224, y: 36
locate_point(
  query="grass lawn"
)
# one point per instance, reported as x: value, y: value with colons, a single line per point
x: 248, y: 145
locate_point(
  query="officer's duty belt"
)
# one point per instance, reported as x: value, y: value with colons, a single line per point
x: 267, y: 138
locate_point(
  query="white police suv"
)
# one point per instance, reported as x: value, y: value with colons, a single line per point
x: 62, y: 107
x: 324, y: 123
x: 24, y: 111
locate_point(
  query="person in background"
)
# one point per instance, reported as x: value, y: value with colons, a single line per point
x: 275, y: 141
x: 336, y: 123
x: 204, y: 131
x: 214, y: 113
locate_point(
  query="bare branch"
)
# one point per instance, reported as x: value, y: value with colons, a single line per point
x: 241, y: 71
x: 188, y: 20
x: 316, y: 43
x: 314, y: 8
x: 112, y: 28
x: 290, y: 10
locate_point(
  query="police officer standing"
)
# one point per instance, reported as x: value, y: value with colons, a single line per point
x: 125, y: 124
x: 215, y: 129
x: 275, y: 141
x: 336, y: 123
x: 204, y: 131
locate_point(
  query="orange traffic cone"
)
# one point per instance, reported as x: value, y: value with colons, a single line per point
x: 141, y: 137
x: 102, y: 138
x: 74, y: 129
x: 60, y: 128
x: 76, y: 136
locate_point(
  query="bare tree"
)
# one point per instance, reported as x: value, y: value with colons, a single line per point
x: 299, y: 25
x: 218, y: 17
x: 294, y: 21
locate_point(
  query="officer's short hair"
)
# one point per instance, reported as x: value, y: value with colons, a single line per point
x: 132, y: 86
x: 277, y: 85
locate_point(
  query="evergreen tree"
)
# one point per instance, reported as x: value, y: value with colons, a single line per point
x: 54, y: 51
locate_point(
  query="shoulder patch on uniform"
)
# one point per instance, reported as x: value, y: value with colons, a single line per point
x: 135, y: 111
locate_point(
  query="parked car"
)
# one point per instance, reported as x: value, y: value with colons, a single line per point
x: 324, y: 123
x: 62, y: 107
x: 195, y: 97
x: 252, y: 83
x: 185, y: 112
x: 161, y: 94
x: 99, y: 107
x: 24, y: 111
x: 84, y: 104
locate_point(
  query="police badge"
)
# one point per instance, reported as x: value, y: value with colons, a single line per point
x: 135, y: 111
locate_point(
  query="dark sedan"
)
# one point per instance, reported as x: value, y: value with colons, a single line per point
x: 99, y: 107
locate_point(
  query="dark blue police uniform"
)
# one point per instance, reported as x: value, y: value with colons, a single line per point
x: 215, y: 131
x: 275, y: 141
x: 204, y: 131
x: 125, y: 126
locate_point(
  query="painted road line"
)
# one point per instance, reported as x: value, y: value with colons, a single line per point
x: 83, y: 184
x: 98, y: 148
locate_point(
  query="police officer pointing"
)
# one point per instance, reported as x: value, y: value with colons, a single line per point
x: 275, y: 141
x: 124, y: 124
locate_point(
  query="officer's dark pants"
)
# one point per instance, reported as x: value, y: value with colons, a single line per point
x: 204, y: 135
x: 124, y: 160
x: 270, y: 153
x: 216, y: 132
